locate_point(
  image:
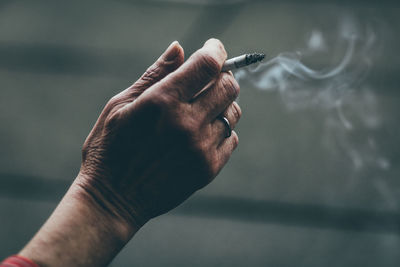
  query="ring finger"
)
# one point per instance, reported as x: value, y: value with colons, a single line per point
x: 223, y: 129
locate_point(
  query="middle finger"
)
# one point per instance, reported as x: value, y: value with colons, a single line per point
x: 214, y: 100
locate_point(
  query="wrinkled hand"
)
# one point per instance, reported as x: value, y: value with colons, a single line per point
x: 160, y: 140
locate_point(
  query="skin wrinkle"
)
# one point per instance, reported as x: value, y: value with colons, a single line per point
x: 237, y: 111
x: 103, y: 195
x: 207, y: 98
x: 204, y: 74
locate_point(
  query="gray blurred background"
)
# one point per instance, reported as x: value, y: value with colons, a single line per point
x: 297, y: 192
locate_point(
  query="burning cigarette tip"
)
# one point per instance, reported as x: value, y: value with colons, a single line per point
x: 242, y: 61
x: 254, y: 57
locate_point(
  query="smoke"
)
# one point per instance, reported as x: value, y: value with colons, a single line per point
x: 339, y: 89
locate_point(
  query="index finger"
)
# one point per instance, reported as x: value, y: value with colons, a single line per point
x: 202, y: 67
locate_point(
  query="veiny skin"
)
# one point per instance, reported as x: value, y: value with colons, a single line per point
x: 153, y: 146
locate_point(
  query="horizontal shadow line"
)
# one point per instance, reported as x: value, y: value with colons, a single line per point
x: 70, y: 60
x: 232, y: 208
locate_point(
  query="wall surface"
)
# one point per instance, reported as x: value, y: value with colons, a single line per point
x: 315, y: 180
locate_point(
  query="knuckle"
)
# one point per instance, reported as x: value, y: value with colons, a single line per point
x: 191, y: 128
x: 207, y: 64
x: 236, y: 111
x: 182, y: 124
x: 230, y: 86
x: 151, y: 73
x: 112, y: 120
x: 114, y: 101
x: 155, y: 108
x: 157, y: 102
x: 113, y: 104
x: 235, y: 139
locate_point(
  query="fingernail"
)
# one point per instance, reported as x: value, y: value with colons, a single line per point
x: 171, y: 52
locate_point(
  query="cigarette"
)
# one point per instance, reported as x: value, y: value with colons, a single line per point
x: 242, y: 61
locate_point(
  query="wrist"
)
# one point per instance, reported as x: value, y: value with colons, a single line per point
x: 80, y: 232
x: 111, y: 205
x: 108, y: 206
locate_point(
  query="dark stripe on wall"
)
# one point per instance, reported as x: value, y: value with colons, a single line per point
x: 231, y: 208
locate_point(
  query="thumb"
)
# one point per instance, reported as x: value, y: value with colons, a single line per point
x: 168, y: 62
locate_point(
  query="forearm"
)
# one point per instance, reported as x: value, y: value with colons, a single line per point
x: 79, y: 233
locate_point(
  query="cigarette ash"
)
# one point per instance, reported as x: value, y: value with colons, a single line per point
x: 348, y: 103
x: 254, y: 57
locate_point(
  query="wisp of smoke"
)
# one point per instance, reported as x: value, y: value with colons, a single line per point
x: 340, y: 90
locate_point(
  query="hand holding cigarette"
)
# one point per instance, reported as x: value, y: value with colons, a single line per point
x: 152, y: 147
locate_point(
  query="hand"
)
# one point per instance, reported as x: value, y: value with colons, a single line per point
x: 154, y: 145
x: 159, y: 141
